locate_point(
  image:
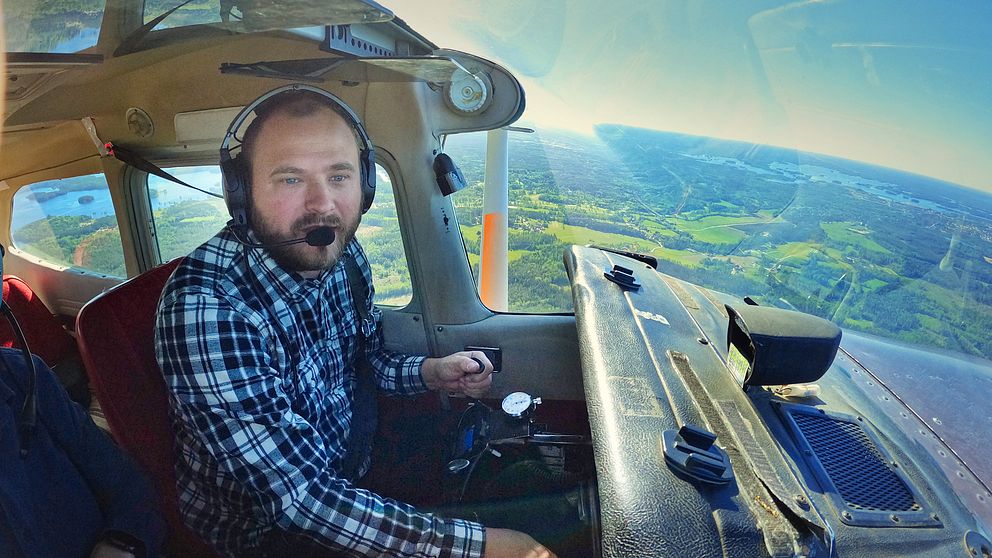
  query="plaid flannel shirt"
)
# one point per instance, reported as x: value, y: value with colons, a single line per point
x: 260, y: 368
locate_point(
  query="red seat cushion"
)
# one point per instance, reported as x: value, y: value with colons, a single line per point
x: 43, y: 331
x: 117, y: 343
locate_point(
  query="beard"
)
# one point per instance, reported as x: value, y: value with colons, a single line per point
x: 303, y: 257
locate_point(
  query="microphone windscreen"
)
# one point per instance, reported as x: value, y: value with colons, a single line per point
x: 321, y: 236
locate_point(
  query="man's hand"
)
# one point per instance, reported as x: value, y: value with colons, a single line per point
x: 459, y: 373
x: 504, y: 543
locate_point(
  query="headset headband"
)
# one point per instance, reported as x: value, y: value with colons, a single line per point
x: 340, y: 106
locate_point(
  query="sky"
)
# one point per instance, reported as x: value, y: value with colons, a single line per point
x: 906, y: 85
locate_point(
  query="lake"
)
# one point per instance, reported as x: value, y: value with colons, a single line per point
x: 27, y: 211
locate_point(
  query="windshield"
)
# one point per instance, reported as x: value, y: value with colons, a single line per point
x: 52, y: 27
x: 71, y: 26
x: 828, y: 157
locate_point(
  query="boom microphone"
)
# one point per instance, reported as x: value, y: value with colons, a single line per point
x: 321, y: 236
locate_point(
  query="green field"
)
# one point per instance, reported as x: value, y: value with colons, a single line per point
x: 847, y: 234
x: 716, y: 229
x: 799, y: 250
x: 570, y: 234
x: 874, y: 284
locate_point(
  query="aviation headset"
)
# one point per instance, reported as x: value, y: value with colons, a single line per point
x: 237, y: 177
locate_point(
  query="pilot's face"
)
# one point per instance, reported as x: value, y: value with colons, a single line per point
x: 305, y: 175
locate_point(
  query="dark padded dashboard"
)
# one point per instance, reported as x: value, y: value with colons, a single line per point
x: 652, y: 350
x: 627, y: 340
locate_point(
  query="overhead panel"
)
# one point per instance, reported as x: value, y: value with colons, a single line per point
x: 430, y: 69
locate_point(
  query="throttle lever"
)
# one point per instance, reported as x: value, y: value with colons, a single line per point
x: 494, y: 354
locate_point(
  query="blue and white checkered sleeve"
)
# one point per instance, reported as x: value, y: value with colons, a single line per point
x: 216, y: 365
x: 397, y: 373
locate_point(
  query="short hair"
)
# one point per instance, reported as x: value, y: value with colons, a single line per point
x: 297, y: 104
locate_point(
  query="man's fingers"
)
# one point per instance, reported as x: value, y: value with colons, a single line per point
x: 476, y: 387
x: 477, y: 367
x: 482, y: 365
x: 476, y: 381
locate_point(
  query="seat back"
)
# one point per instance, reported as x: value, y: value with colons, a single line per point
x: 45, y: 336
x: 43, y: 331
x: 116, y: 334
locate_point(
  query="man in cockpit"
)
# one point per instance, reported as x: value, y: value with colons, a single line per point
x: 269, y: 343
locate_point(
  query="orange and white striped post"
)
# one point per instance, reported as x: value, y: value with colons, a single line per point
x: 493, y: 270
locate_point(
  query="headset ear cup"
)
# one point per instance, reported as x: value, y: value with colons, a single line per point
x: 367, y: 165
x: 236, y: 190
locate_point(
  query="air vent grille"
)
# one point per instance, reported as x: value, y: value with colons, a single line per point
x: 852, y: 461
x: 855, y: 472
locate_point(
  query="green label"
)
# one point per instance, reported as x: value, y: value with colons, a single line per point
x: 738, y: 365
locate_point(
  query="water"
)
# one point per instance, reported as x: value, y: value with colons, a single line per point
x: 884, y: 190
x: 168, y: 193
x: 27, y: 211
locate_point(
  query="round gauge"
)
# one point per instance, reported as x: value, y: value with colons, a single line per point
x: 517, y: 404
x: 468, y: 93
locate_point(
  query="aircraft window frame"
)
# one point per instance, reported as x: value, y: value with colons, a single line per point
x: 112, y: 220
x: 146, y: 206
x: 62, y: 23
x: 395, y: 191
x: 469, y: 224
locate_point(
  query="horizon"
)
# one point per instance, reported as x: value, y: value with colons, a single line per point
x: 592, y: 135
x: 901, y: 87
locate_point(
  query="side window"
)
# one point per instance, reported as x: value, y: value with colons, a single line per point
x: 380, y: 237
x: 537, y: 217
x: 69, y: 222
x: 195, y: 14
x: 185, y: 218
